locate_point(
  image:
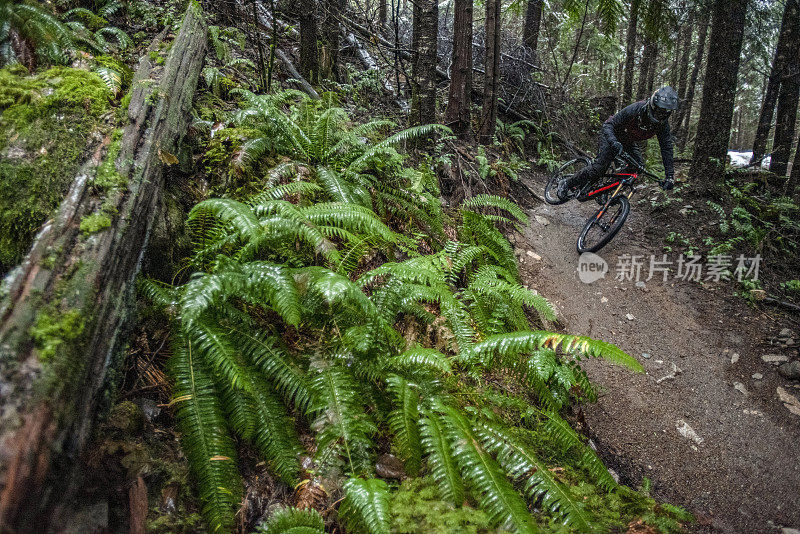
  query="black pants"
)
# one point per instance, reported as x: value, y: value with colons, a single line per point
x: 605, y: 157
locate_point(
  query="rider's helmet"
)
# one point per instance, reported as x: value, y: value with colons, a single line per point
x: 661, y: 105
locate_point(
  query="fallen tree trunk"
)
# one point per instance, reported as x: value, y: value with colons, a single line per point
x: 369, y: 63
x: 65, y: 315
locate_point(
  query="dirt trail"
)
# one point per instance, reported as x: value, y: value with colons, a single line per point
x: 739, y: 468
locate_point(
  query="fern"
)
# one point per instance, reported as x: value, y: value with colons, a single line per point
x: 498, y: 497
x: 210, y: 451
x: 436, y: 443
x: 403, y: 422
x: 521, y: 462
x: 365, y: 507
x: 293, y: 521
x: 277, y: 324
x: 342, y: 422
x: 563, y: 434
x: 503, y: 345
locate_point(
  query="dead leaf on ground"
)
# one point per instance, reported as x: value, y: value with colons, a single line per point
x: 639, y: 527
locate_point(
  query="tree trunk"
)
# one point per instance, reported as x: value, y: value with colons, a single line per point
x: 794, y: 177
x: 381, y: 15
x: 630, y: 53
x: 651, y: 73
x: 329, y: 63
x: 460, y: 94
x: 271, y: 24
x: 648, y: 64
x: 779, y: 63
x: 685, y: 109
x: 719, y: 92
x: 491, y: 71
x: 788, y: 93
x: 530, y: 35
x: 65, y: 316
x: 426, y: 34
x: 683, y: 68
x: 309, y: 56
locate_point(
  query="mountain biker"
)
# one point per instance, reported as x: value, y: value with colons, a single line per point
x: 624, y: 132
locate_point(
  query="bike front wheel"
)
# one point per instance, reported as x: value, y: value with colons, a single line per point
x: 562, y: 173
x: 604, y: 225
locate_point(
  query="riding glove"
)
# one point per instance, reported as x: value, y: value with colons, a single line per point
x: 617, y: 146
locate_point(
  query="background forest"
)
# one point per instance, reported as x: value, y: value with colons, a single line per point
x: 262, y: 266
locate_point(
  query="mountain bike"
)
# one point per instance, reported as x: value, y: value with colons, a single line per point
x: 613, y: 192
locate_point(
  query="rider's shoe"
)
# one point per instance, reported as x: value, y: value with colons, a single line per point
x: 563, y: 191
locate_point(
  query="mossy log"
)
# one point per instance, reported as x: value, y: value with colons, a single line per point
x: 64, y: 319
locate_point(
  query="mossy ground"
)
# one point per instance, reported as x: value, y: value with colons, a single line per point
x: 46, y: 122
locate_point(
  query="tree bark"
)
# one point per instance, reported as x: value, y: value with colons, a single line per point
x: 788, y: 93
x: 685, y: 109
x: 794, y: 177
x: 460, y: 95
x: 719, y: 92
x: 779, y: 64
x: 683, y: 69
x: 651, y: 73
x: 309, y: 55
x: 329, y: 63
x: 270, y: 24
x: 648, y: 64
x: 630, y: 52
x: 533, y: 23
x: 381, y: 15
x: 491, y: 71
x: 426, y: 35
x: 81, y: 285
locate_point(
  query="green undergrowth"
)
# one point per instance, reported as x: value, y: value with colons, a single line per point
x: 330, y: 293
x: 46, y: 121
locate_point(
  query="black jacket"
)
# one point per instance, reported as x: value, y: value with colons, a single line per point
x: 631, y: 125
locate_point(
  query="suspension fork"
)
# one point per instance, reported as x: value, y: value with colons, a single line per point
x: 608, y: 202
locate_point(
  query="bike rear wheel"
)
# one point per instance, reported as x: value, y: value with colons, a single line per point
x: 604, y: 225
x: 562, y: 173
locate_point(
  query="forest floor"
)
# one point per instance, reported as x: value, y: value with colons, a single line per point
x: 705, y: 422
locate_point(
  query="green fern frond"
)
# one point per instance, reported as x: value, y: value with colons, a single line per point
x: 263, y: 351
x: 337, y: 188
x: 527, y: 342
x: 419, y: 357
x: 494, y: 201
x: 239, y: 216
x: 212, y: 344
x: 304, y: 189
x: 205, y: 440
x: 112, y: 78
x: 365, y: 507
x: 497, y: 496
x: 568, y: 439
x: 274, y: 435
x: 342, y: 423
x: 437, y: 445
x: 522, y: 463
x: 163, y: 295
x: 293, y: 521
x: 404, y: 421
x: 122, y: 38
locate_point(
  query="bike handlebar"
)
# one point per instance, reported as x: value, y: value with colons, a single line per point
x: 631, y: 161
